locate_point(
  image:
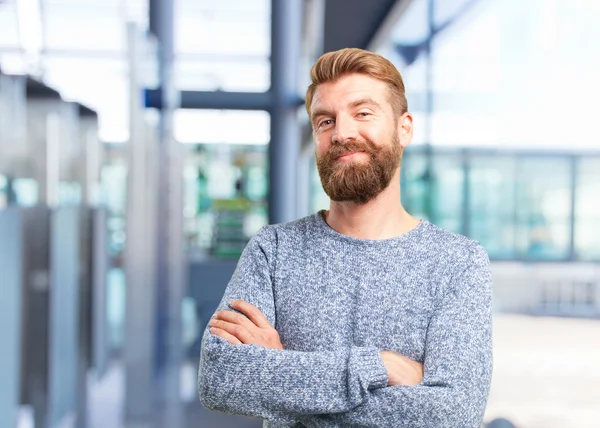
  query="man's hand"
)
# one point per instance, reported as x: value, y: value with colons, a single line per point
x: 402, y: 370
x: 251, y: 328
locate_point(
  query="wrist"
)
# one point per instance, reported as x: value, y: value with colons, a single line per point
x: 402, y: 371
x: 375, y: 369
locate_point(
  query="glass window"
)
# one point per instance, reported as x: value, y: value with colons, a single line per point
x: 436, y: 195
x: 223, y: 45
x: 413, y: 26
x: 587, y: 209
x: 3, y: 192
x: 9, y: 36
x: 484, y: 77
x: 222, y: 126
x: 492, y: 202
x: 114, y: 197
x: 446, y: 11
x: 84, y: 54
x: 543, y: 208
x: 318, y: 198
x: 26, y: 191
x: 414, y: 184
x: 225, y: 197
x: 416, y: 97
x: 218, y: 72
x: 226, y: 27
x: 447, y: 187
x: 97, y: 26
x: 72, y: 76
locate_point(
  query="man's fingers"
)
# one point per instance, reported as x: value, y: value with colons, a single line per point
x: 252, y: 312
x: 239, y: 331
x: 229, y: 337
x: 235, y: 318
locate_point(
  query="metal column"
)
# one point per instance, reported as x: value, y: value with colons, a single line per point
x: 64, y: 301
x: 284, y: 148
x: 139, y: 319
x: 573, y: 208
x: 11, y: 266
x: 171, y: 260
x: 430, y: 177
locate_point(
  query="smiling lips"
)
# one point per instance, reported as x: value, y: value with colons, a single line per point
x: 348, y: 155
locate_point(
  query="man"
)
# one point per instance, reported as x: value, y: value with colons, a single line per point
x: 362, y: 315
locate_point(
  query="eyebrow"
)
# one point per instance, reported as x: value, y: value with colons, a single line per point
x: 363, y: 101
x: 354, y: 104
x: 319, y: 112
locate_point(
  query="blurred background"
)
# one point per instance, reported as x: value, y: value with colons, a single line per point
x: 143, y: 142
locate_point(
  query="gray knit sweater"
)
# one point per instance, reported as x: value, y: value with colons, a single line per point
x: 336, y: 302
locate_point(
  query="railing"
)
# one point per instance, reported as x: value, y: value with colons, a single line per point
x: 565, y: 289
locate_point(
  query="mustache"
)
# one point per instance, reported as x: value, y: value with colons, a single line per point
x: 338, y: 149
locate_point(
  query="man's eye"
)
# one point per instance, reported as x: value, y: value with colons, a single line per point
x: 326, y: 122
x: 364, y: 114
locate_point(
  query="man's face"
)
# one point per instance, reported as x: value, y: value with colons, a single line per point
x: 358, y: 138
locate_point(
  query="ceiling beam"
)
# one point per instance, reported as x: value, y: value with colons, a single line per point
x: 356, y: 23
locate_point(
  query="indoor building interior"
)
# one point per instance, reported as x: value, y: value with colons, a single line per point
x: 144, y: 142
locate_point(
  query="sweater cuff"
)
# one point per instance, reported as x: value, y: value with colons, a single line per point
x: 377, y: 374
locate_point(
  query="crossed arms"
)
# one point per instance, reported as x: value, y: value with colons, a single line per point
x: 244, y: 369
x: 251, y: 327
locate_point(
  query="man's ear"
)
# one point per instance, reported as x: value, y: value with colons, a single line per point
x: 405, y: 129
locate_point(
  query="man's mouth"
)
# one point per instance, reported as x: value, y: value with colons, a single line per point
x: 349, y: 155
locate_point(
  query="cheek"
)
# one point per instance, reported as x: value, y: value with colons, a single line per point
x: 378, y: 135
x: 322, y: 144
x: 371, y: 131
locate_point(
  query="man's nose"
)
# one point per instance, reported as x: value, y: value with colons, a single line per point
x: 345, y: 129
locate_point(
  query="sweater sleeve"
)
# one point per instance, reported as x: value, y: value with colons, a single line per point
x: 457, y: 366
x: 279, y: 385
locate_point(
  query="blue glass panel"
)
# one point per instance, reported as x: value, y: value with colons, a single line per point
x: 492, y: 204
x: 587, y: 209
x: 543, y: 207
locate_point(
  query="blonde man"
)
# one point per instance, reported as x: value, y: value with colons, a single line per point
x: 361, y: 315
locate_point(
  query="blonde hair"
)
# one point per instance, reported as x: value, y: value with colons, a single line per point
x: 333, y: 65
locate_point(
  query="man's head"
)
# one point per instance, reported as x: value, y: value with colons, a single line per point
x: 358, y: 110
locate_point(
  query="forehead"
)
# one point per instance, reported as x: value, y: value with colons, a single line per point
x: 350, y: 88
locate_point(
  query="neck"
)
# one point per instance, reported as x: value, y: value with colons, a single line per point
x: 383, y: 217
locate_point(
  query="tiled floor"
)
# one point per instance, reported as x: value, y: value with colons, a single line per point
x: 546, y: 375
x: 106, y: 398
x: 546, y: 372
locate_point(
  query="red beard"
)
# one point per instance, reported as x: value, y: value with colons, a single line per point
x: 358, y: 181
